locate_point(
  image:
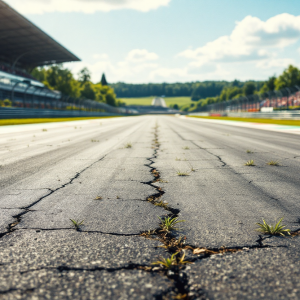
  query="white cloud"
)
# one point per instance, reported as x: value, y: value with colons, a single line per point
x: 100, y: 56
x: 251, y: 40
x: 275, y: 63
x: 140, y: 55
x: 166, y: 74
x: 85, y: 6
x: 136, y: 63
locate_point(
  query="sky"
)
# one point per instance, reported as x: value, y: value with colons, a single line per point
x: 142, y: 41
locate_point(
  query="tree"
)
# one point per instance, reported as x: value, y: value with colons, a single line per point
x: 103, y: 80
x: 269, y: 85
x: 249, y: 88
x: 88, y: 91
x: 62, y: 80
x: 290, y: 77
x: 84, y: 76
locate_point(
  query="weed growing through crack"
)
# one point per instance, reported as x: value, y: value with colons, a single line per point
x: 162, y: 181
x: 77, y: 224
x: 178, y: 159
x: 249, y: 151
x: 182, y: 173
x: 173, y: 244
x: 168, y: 224
x: 172, y: 261
x: 276, y: 229
x: 250, y: 163
x: 128, y: 145
x: 186, y: 148
x: 273, y: 163
x: 161, y: 204
x: 192, y: 168
x: 95, y: 141
x: 148, y: 234
x: 168, y: 263
x: 44, y: 129
x: 181, y: 260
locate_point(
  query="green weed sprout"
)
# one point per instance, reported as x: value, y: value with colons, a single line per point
x: 168, y: 224
x: 128, y: 145
x: 276, y: 229
x: 182, y: 173
x: 168, y: 263
x: 250, y: 163
x: 77, y: 224
x: 273, y: 163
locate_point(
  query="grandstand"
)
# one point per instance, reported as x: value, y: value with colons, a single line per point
x: 24, y: 46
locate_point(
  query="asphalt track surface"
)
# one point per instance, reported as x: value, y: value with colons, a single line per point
x: 53, y: 172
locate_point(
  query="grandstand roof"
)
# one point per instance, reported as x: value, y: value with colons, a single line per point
x: 19, y: 38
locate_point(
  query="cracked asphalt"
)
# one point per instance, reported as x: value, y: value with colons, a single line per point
x: 82, y: 170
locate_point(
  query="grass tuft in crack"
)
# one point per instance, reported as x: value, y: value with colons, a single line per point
x: 161, y: 204
x: 186, y: 148
x: 148, y: 234
x: 182, y: 173
x: 77, y: 224
x: 250, y: 163
x: 192, y: 168
x: 249, y: 151
x: 173, y: 244
x: 172, y: 261
x: 128, y: 145
x: 168, y: 263
x: 273, y: 163
x: 168, y: 224
x: 276, y: 229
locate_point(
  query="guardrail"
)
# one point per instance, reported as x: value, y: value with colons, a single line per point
x: 34, y: 95
x: 28, y: 113
x: 285, y: 99
x: 279, y: 115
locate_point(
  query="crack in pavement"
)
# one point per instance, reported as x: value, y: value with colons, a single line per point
x: 181, y: 288
x: 278, y: 202
x: 184, y: 139
x: 82, y: 231
x: 18, y: 217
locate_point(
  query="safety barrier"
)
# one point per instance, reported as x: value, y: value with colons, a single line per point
x: 28, y: 113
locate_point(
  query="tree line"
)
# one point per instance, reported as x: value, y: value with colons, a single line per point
x: 58, y: 78
x: 195, y: 90
x: 236, y: 89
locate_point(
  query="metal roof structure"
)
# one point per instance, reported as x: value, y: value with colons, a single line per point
x: 24, y: 44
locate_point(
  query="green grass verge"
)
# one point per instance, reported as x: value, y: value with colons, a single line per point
x: 267, y: 121
x: 180, y: 101
x: 47, y: 120
x: 137, y: 101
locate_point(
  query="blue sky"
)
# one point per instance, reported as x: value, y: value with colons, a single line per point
x: 140, y: 41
